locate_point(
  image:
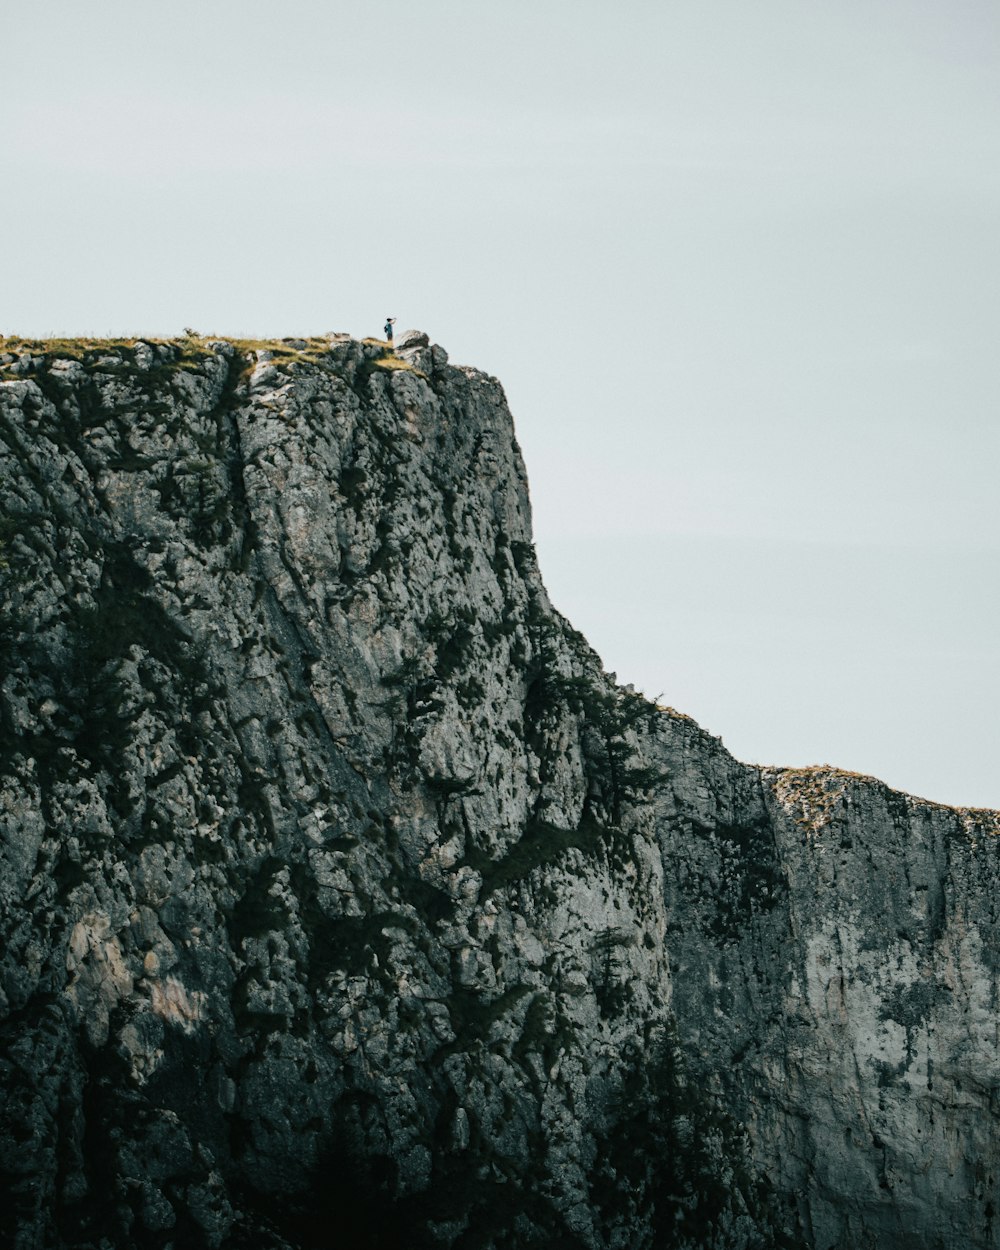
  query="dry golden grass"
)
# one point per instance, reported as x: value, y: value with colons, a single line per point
x: 77, y: 347
x: 187, y: 350
x: 74, y: 349
x: 394, y: 362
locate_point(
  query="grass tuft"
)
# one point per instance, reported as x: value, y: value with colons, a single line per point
x: 393, y: 363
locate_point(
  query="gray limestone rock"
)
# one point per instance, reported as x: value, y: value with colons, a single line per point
x: 412, y: 338
x: 345, y: 900
x: 414, y: 347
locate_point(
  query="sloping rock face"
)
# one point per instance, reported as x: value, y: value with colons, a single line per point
x: 346, y: 901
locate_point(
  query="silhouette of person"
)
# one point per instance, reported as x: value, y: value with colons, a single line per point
x: 389, y: 322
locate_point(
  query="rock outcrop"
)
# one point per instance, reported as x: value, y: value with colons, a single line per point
x: 834, y: 955
x: 346, y: 901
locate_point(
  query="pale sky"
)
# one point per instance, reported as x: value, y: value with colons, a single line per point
x: 736, y: 265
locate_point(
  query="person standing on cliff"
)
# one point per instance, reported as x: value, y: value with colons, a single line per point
x: 389, y: 323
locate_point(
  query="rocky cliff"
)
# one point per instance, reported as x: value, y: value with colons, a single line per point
x: 346, y: 901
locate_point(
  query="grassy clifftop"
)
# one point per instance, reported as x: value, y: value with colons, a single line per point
x: 20, y: 356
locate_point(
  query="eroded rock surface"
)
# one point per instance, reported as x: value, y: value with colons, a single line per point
x: 346, y: 901
x: 834, y: 947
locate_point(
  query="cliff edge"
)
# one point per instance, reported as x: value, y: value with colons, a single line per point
x: 346, y: 901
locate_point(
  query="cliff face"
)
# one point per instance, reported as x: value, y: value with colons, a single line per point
x: 346, y: 901
x: 834, y: 953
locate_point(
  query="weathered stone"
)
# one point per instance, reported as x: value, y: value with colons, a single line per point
x: 345, y: 900
x: 412, y: 338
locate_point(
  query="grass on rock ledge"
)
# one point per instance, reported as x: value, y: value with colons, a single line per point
x: 89, y: 351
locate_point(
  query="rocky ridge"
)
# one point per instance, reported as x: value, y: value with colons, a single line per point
x: 346, y: 900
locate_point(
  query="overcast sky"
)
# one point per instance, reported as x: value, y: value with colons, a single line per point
x: 736, y: 265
